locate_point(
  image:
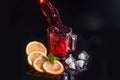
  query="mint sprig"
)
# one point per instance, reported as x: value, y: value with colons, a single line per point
x: 52, y: 58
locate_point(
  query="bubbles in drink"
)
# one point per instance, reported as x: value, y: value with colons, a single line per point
x: 55, y: 37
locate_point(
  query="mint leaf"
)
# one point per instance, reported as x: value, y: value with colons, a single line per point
x: 52, y: 58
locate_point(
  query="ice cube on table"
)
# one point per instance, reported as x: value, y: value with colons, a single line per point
x: 83, y: 55
x: 69, y: 59
x: 72, y: 65
x: 80, y: 63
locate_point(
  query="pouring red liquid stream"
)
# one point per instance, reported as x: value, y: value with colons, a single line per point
x: 59, y: 37
x: 52, y: 15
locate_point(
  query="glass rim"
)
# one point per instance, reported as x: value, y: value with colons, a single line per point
x: 66, y: 27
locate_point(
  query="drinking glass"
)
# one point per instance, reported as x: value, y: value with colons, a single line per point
x: 61, y: 43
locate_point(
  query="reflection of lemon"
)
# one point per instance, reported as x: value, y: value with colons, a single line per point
x: 38, y: 63
x: 55, y: 69
x: 33, y: 55
x: 35, y: 46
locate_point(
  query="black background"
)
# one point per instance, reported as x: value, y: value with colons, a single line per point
x: 97, y: 21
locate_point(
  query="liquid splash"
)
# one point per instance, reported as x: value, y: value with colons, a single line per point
x: 51, y: 14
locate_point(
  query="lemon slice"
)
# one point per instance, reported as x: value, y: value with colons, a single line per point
x: 33, y: 55
x: 54, y: 69
x: 38, y: 63
x: 35, y: 46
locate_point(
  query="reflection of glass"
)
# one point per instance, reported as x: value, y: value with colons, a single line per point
x: 61, y: 43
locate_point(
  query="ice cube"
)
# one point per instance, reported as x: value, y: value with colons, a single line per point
x: 69, y: 59
x: 83, y: 55
x: 72, y: 65
x: 80, y: 63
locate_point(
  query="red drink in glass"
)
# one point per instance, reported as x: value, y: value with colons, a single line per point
x: 60, y: 43
x: 60, y: 38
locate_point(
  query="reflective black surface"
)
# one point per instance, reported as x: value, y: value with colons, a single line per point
x: 96, y: 21
x: 29, y: 73
x: 103, y: 51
